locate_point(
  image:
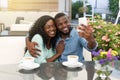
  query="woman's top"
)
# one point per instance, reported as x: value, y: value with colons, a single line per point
x: 44, y: 54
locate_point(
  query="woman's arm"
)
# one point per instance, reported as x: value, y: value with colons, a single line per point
x: 59, y: 50
x: 43, y: 58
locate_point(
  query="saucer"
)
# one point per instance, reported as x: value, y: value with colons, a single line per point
x: 32, y: 66
x: 71, y: 65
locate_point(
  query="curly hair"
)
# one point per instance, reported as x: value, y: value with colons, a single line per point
x: 38, y: 28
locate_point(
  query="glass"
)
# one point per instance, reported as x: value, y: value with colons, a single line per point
x: 103, y: 71
x: 117, y: 65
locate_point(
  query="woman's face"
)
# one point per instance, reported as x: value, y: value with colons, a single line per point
x: 50, y: 28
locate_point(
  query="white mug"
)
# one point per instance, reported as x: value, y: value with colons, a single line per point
x: 27, y: 61
x: 72, y: 58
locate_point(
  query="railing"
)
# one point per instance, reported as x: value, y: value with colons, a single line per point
x: 118, y: 15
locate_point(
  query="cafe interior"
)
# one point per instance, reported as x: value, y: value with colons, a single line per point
x: 16, y: 18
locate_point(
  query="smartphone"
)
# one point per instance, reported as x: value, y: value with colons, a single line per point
x: 82, y: 20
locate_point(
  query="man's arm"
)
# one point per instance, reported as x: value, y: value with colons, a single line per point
x: 43, y: 56
x: 88, y: 35
x: 31, y: 47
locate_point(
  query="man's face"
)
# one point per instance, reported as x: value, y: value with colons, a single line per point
x: 63, y: 25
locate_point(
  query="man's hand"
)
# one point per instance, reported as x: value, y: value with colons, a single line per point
x: 86, y: 32
x: 32, y: 50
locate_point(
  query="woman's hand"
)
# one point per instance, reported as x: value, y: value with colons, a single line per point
x: 60, y: 47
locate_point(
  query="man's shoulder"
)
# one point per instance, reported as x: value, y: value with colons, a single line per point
x: 73, y: 32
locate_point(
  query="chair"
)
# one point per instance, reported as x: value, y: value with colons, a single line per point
x: 85, y: 4
x: 87, y: 55
x: 116, y: 21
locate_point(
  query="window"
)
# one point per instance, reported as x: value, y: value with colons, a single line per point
x: 3, y: 4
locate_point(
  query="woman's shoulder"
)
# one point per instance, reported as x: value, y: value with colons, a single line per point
x: 37, y: 37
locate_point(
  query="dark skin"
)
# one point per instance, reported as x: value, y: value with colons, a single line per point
x: 50, y: 30
x: 31, y: 47
x: 88, y: 35
x: 86, y: 31
x: 59, y: 50
x: 33, y: 51
x: 63, y: 25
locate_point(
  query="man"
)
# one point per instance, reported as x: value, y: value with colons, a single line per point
x: 74, y: 41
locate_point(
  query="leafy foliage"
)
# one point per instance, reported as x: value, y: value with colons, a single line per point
x: 75, y: 7
x: 106, y: 34
x: 114, y: 7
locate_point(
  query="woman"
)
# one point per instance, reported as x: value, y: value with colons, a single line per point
x: 44, y: 32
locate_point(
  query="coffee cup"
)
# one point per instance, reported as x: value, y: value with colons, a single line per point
x: 27, y: 61
x: 117, y: 65
x: 72, y: 59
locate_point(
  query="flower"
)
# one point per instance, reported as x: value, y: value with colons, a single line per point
x: 104, y: 61
x: 106, y: 34
x: 104, y: 57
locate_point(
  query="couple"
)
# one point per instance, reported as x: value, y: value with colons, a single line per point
x: 54, y: 39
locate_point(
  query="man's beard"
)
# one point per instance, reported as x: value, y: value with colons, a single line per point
x: 67, y: 33
x: 62, y: 33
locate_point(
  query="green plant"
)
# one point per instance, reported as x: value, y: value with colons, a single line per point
x: 114, y: 7
x: 104, y: 57
x: 103, y: 61
x: 75, y: 7
x: 106, y: 34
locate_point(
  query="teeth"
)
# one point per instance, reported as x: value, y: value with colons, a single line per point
x: 65, y: 29
x: 52, y: 32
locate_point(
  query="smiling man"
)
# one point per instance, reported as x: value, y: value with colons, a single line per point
x: 74, y: 41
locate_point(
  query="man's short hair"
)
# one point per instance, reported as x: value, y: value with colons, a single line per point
x: 58, y: 15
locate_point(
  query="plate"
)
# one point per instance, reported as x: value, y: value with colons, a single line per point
x: 75, y: 65
x: 32, y: 66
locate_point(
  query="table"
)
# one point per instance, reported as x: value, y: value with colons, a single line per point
x: 48, y: 71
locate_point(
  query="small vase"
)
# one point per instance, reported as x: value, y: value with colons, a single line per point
x: 103, y: 71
